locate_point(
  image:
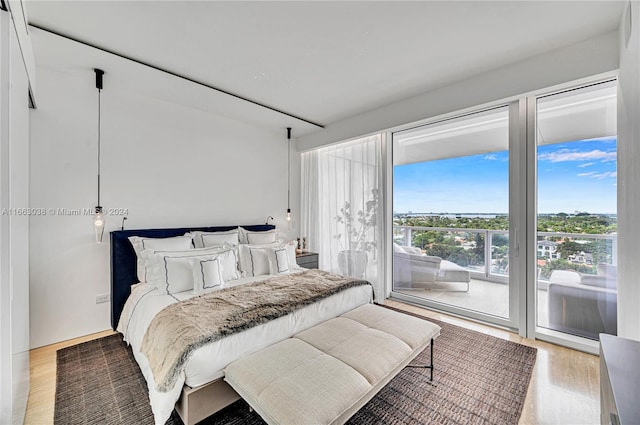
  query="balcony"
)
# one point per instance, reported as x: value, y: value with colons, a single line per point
x: 485, y: 254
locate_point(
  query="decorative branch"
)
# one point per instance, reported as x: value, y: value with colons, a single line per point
x: 355, y: 229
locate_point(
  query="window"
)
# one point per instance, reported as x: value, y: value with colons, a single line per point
x: 451, y: 202
x: 576, y: 210
x: 456, y: 209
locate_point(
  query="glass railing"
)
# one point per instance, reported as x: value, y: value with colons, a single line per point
x: 579, y: 252
x: 485, y: 253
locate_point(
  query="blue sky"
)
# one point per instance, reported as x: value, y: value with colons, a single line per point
x: 573, y: 176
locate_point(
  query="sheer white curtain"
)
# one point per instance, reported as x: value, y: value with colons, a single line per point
x: 342, y: 211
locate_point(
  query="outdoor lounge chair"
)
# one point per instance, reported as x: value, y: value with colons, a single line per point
x: 412, y: 269
x: 584, y: 304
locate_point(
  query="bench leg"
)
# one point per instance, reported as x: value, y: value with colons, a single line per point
x: 429, y: 366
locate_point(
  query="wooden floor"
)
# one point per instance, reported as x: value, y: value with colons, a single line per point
x: 43, y: 379
x: 564, y: 387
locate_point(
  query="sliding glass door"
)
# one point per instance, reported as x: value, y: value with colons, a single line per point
x: 451, y: 215
x: 575, y: 242
x: 508, y: 215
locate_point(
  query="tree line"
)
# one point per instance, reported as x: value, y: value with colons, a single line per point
x: 593, y: 224
x: 449, y: 245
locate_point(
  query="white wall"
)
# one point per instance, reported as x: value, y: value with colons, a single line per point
x: 170, y: 165
x: 5, y: 254
x: 629, y: 176
x: 19, y: 226
x: 590, y: 57
x: 14, y: 227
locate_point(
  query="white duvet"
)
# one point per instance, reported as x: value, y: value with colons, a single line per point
x: 207, y: 363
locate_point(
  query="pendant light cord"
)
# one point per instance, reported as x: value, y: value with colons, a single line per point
x: 99, y: 130
x: 289, y: 168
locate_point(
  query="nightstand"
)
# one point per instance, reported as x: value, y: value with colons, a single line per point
x: 308, y: 260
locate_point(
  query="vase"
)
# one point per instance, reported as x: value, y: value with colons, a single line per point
x: 353, y: 262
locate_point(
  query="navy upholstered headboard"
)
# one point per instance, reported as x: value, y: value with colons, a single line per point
x: 124, y: 261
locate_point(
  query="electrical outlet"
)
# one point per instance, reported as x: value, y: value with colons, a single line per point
x: 102, y: 298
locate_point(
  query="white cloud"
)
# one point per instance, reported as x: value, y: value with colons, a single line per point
x: 588, y: 164
x: 564, y: 155
x: 599, y: 176
x: 606, y: 174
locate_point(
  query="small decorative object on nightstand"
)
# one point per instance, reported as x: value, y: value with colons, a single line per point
x: 308, y: 260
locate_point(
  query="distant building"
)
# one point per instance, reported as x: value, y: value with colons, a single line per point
x: 581, y: 258
x: 547, y: 249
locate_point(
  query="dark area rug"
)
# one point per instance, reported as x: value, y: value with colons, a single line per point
x: 479, y: 379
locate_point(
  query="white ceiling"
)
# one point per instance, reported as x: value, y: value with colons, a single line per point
x: 586, y: 113
x: 328, y: 60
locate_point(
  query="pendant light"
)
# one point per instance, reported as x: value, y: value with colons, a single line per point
x: 98, y: 218
x: 289, y: 177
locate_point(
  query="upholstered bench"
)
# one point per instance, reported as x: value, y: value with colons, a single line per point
x: 325, y: 374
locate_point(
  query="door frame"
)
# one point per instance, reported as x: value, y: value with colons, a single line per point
x: 522, y: 217
x: 533, y: 331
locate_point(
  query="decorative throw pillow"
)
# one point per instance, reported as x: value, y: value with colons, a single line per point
x: 207, y: 274
x: 207, y: 239
x: 229, y: 263
x: 278, y: 260
x: 254, y: 260
x: 291, y: 254
x: 257, y: 237
x: 153, y: 260
x: 170, y: 275
x: 196, y: 269
x: 179, y: 243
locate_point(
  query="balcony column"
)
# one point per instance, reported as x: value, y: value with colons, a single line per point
x: 487, y: 252
x: 407, y: 236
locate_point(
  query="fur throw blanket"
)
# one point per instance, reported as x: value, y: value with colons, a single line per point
x: 181, y: 328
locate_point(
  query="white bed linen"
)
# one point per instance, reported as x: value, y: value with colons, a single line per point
x: 207, y: 363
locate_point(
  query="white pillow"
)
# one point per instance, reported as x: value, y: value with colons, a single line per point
x: 173, y: 274
x: 278, y: 260
x: 229, y: 263
x: 153, y: 259
x: 207, y: 274
x: 291, y: 254
x: 257, y: 238
x: 173, y: 271
x: 205, y: 239
x: 178, y: 243
x: 254, y: 260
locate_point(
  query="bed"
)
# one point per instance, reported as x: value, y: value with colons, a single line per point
x: 199, y: 391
